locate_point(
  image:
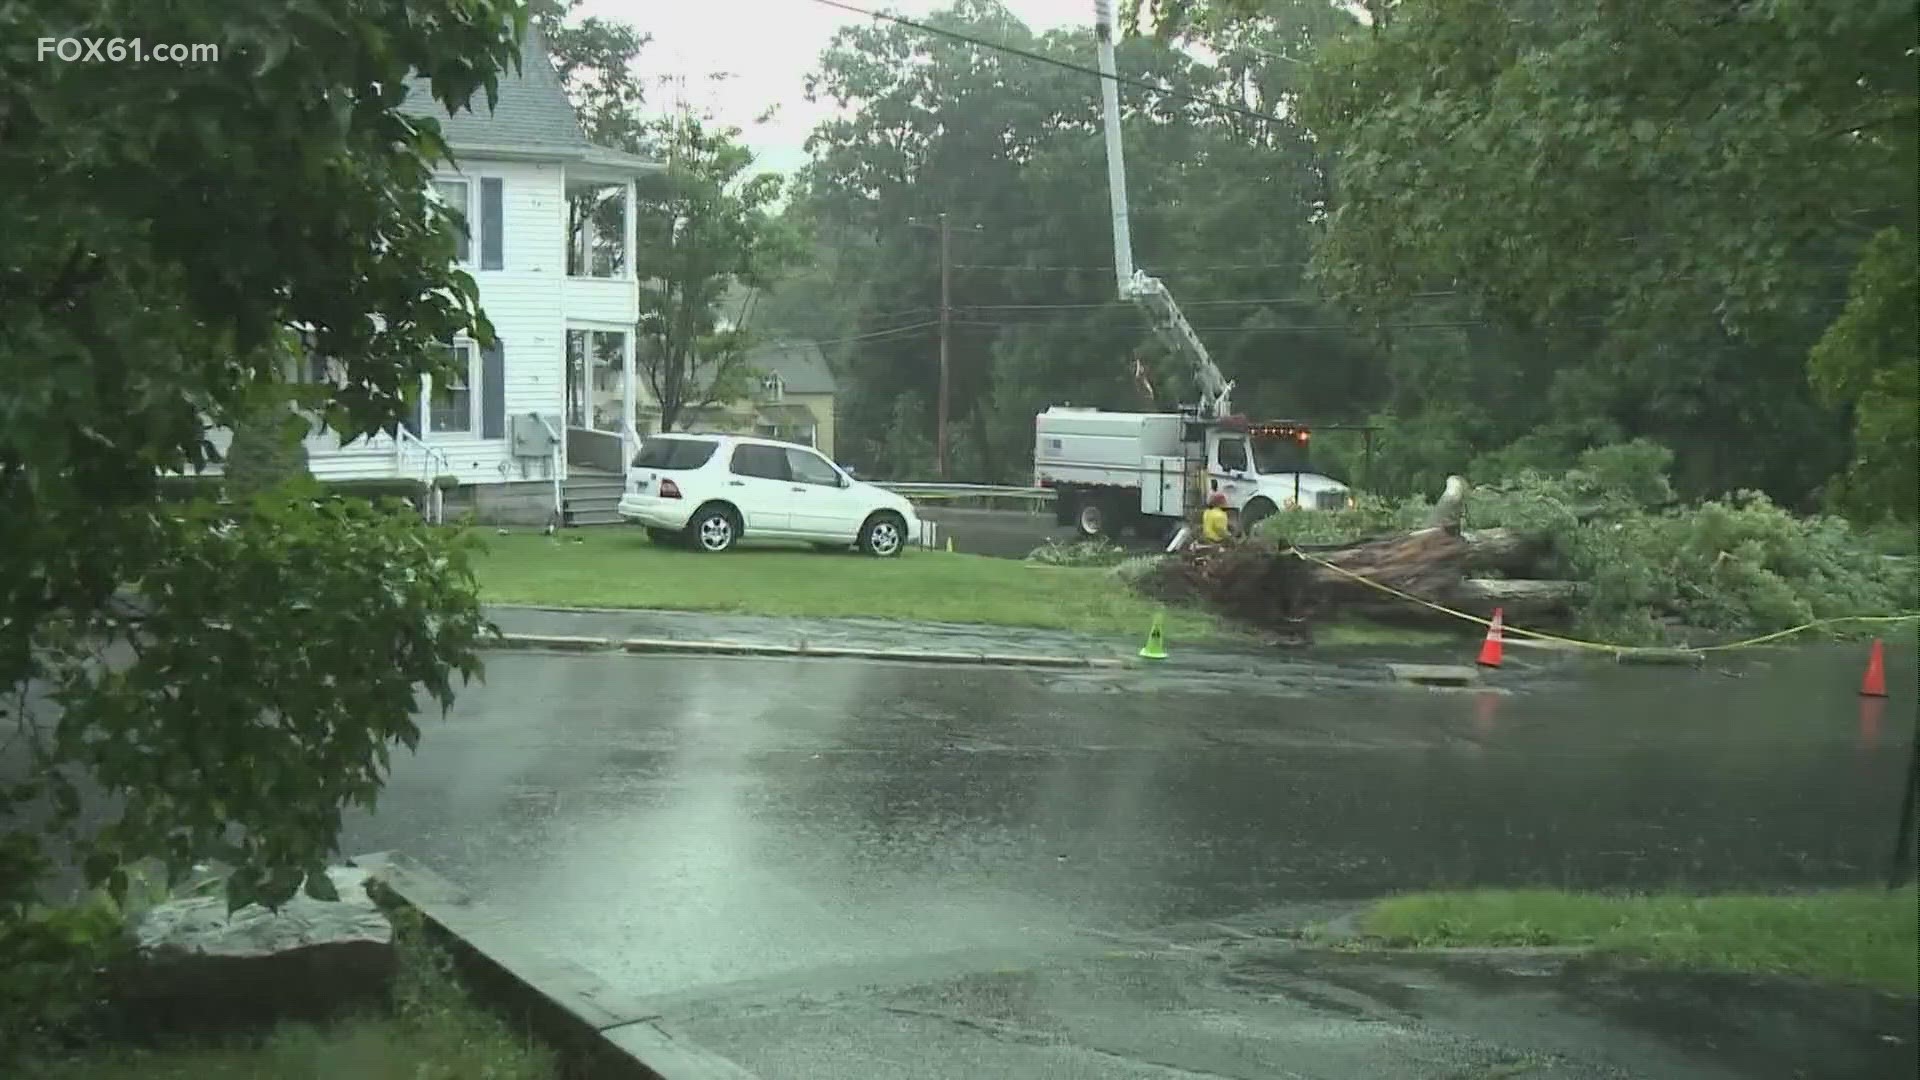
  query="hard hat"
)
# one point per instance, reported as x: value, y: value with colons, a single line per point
x: 1218, y: 498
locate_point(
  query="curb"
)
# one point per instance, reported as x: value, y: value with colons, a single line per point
x: 560, y: 642
x: 569, y: 1007
x: 678, y: 646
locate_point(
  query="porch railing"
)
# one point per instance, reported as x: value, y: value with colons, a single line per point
x: 433, y: 500
x: 556, y: 470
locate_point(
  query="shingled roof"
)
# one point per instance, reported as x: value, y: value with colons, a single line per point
x: 800, y: 364
x: 532, y: 117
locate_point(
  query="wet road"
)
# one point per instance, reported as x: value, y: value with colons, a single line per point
x: 838, y: 868
x: 1011, y: 534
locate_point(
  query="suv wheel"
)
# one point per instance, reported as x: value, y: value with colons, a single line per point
x: 714, y: 529
x: 884, y: 535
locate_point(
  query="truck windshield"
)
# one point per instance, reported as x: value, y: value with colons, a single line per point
x: 1280, y: 456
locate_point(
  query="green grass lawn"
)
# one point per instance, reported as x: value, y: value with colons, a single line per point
x: 617, y: 567
x: 1864, y: 937
x: 621, y: 568
x: 373, y: 1049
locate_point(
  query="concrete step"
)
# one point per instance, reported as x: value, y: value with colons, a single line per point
x: 594, y: 487
x: 577, y: 516
x: 592, y: 502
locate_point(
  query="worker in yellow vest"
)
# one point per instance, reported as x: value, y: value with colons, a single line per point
x: 1215, y: 525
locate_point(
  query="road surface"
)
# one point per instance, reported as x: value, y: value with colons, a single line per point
x: 823, y: 869
x: 1011, y: 534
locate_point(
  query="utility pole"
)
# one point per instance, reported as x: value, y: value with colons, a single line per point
x: 946, y: 311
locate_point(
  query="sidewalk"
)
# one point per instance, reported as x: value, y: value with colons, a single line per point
x: 1214, y: 666
x: 759, y: 630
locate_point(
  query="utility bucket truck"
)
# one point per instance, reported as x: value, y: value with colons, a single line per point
x: 1113, y: 469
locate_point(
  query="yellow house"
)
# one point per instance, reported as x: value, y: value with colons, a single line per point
x: 790, y: 397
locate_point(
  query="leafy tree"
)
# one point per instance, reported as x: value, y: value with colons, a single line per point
x: 269, y: 448
x: 594, y: 59
x: 706, y: 223
x: 1011, y: 150
x: 1688, y: 181
x: 1866, y: 361
x: 224, y: 681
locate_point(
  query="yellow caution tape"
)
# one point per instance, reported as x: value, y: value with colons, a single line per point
x: 1597, y: 645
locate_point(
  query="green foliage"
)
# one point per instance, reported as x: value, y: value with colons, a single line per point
x: 240, y: 728
x: 1665, y: 194
x: 1737, y: 564
x: 1863, y: 937
x: 705, y: 225
x: 1131, y: 570
x: 1866, y: 362
x: 1010, y: 151
x: 268, y: 451
x: 56, y: 959
x: 1369, y: 516
x: 220, y: 685
x: 595, y: 59
x: 1078, y: 553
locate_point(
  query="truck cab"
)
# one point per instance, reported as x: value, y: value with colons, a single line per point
x: 1265, y: 466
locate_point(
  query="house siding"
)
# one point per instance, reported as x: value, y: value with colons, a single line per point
x: 599, y: 300
x: 529, y: 301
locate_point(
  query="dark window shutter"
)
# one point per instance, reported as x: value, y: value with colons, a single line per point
x: 490, y: 223
x: 493, y: 392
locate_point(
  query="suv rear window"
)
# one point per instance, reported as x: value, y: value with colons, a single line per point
x: 674, y: 453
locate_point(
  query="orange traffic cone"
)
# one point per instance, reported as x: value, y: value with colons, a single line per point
x: 1490, y: 648
x: 1874, y: 682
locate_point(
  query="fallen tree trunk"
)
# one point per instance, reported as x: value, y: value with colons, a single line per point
x: 1255, y: 583
x: 1528, y: 602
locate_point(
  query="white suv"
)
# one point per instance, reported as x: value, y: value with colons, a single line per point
x: 711, y: 490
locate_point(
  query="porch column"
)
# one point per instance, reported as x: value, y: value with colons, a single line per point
x: 629, y: 192
x: 629, y: 438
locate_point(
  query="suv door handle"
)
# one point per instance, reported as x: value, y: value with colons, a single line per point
x: 797, y: 487
x: 736, y: 483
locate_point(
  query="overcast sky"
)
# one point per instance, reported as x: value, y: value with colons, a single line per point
x: 768, y: 47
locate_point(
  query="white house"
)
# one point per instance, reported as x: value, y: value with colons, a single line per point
x: 520, y: 431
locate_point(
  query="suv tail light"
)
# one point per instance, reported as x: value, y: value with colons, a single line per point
x: 669, y: 489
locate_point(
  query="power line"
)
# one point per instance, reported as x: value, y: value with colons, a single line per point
x: 1108, y: 269
x: 879, y: 333
x: 1069, y: 65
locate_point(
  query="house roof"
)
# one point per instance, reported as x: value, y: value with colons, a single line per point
x: 531, y: 118
x: 800, y: 364
x: 787, y: 414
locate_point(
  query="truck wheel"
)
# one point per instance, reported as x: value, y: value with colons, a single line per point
x: 1092, y: 520
x: 1256, y: 512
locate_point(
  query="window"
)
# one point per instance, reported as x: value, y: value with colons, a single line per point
x: 456, y: 195
x: 451, y: 407
x: 771, y: 386
x: 1233, y: 455
x: 1281, y: 455
x: 664, y: 453
x: 811, y: 469
x: 765, y: 462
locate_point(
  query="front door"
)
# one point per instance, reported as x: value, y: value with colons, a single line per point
x: 1232, y: 472
x: 758, y: 483
x: 821, y: 507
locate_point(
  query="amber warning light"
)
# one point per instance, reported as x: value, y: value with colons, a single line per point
x: 1280, y: 431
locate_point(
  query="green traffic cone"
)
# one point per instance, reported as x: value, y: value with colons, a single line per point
x: 1156, y: 646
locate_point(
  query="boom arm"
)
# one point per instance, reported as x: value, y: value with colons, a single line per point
x: 1149, y: 293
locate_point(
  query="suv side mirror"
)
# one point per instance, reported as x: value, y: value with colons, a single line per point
x: 845, y: 480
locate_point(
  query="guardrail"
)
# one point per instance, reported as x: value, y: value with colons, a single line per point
x: 965, y: 492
